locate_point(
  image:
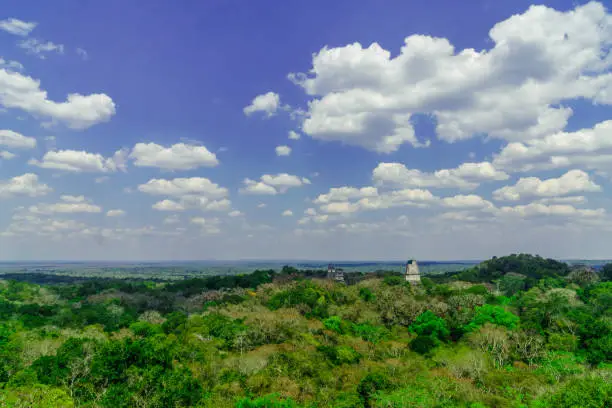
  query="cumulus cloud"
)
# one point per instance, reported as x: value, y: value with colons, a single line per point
x: 287, y: 213
x: 4, y: 155
x: 69, y: 204
x: 17, y: 27
x: 80, y: 161
x: 168, y: 205
x: 465, y: 176
x: 193, y: 202
x: 590, y: 147
x: 293, y: 135
x: 115, y: 213
x: 574, y: 181
x: 179, y: 156
x: 267, y: 103
x: 536, y: 209
x: 24, y: 185
x: 188, y: 193
x: 235, y: 213
x: 16, y: 140
x: 563, y: 200
x: 364, y: 96
x: 470, y: 201
x: 29, y: 224
x: 347, y: 200
x: 346, y: 193
x: 78, y: 111
x: 198, y: 186
x: 273, y: 184
x: 283, y: 150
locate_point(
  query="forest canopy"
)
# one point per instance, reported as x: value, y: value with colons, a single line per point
x: 516, y: 331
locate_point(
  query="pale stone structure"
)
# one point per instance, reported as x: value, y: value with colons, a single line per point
x: 334, y: 273
x: 412, y: 273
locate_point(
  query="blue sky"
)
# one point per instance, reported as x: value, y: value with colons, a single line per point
x: 452, y: 130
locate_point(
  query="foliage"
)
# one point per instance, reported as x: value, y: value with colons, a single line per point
x: 291, y: 339
x: 496, y: 315
x: 428, y: 324
x: 370, y: 385
x: 268, y: 401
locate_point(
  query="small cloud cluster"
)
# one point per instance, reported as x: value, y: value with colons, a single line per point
x: 273, y: 184
x: 267, y: 103
x: 187, y: 193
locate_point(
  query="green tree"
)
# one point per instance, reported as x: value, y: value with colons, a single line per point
x: 496, y: 315
x: 428, y: 324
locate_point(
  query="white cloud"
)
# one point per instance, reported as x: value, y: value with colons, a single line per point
x: 235, y: 213
x: 287, y: 213
x: 293, y: 135
x: 29, y: 224
x: 563, y: 200
x: 536, y: 209
x: 24, y: 185
x: 257, y: 187
x: 310, y: 211
x: 338, y: 200
x: 589, y: 147
x: 115, y: 213
x: 11, y: 65
x: 208, y: 225
x: 194, y: 193
x: 268, y: 103
x: 73, y: 199
x: 283, y: 150
x: 461, y: 216
x: 346, y: 193
x: 198, y: 186
x: 465, y: 176
x: 340, y: 207
x: 574, y: 181
x: 40, y: 48
x: 68, y: 205
x: 100, y: 180
x: 513, y: 91
x: 470, y: 201
x: 17, y: 27
x: 261, y: 205
x: 16, y: 140
x: 7, y: 155
x: 398, y: 198
x: 81, y: 161
x: 179, y: 156
x: 78, y: 111
x: 284, y: 180
x: 273, y: 184
x: 168, y: 205
x: 206, y: 204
